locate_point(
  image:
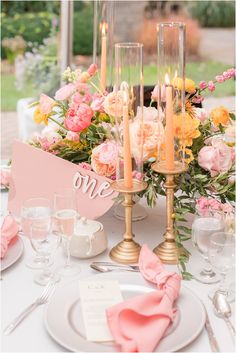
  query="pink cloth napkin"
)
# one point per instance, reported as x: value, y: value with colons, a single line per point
x: 138, y: 324
x: 9, y: 230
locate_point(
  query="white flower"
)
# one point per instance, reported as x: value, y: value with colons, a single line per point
x: 149, y: 114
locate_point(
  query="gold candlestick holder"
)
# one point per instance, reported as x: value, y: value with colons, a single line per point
x: 168, y: 251
x: 127, y: 251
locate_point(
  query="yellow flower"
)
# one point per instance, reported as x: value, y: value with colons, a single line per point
x: 186, y: 128
x: 190, y: 85
x: 220, y: 115
x: 188, y: 156
x: 39, y: 117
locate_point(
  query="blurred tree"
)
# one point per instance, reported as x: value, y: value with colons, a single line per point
x: 16, y: 7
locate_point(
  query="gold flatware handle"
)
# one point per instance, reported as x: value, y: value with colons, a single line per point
x: 212, y: 339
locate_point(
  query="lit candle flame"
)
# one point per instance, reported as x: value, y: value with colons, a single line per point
x: 167, y: 79
x: 104, y: 27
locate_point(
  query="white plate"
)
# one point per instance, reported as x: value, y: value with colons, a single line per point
x: 14, y: 252
x: 63, y: 318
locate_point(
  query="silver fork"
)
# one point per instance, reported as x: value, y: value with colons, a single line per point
x: 112, y: 264
x: 42, y: 299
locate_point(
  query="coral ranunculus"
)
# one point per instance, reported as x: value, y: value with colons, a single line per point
x: 220, y: 115
x: 103, y: 159
x: 80, y: 119
x: 186, y: 128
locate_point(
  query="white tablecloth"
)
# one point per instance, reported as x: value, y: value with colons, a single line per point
x: 18, y: 289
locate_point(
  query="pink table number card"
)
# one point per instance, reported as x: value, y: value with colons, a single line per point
x: 36, y: 173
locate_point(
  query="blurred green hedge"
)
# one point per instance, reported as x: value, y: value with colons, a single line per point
x: 34, y: 27
x: 214, y: 13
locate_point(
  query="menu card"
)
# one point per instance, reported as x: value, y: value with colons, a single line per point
x: 96, y: 297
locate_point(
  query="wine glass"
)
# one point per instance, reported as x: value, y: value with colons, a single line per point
x: 45, y: 243
x: 202, y: 228
x: 221, y: 254
x: 35, y: 211
x: 65, y: 216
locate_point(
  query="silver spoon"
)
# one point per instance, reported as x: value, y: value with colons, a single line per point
x: 223, y: 310
x: 106, y: 269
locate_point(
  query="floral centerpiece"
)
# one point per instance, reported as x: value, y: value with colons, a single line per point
x: 80, y: 123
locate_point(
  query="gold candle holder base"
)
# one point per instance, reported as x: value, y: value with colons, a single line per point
x: 169, y: 251
x: 127, y: 251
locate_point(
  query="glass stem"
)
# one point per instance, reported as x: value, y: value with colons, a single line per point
x: 222, y: 287
x: 68, y: 252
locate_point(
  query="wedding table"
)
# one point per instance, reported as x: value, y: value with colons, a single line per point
x: 19, y: 290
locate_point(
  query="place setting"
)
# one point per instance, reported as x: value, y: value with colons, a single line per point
x: 82, y: 235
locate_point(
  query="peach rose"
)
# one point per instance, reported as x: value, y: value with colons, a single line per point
x: 220, y: 115
x: 103, y: 159
x: 113, y: 104
x: 152, y: 134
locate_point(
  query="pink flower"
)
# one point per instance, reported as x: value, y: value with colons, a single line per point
x: 5, y: 176
x: 154, y: 95
x: 227, y: 208
x: 97, y: 103
x: 46, y: 104
x: 82, y: 87
x: 103, y: 159
x: 232, y: 72
x: 202, y: 84
x: 226, y: 75
x: 85, y: 165
x: 216, y: 158
x: 202, y: 206
x: 201, y: 114
x: 72, y: 136
x: 80, y: 119
x: 65, y: 92
x: 113, y: 104
x: 92, y: 70
x: 214, y: 204
x: 220, y: 78
x: 197, y: 99
x: 211, y: 86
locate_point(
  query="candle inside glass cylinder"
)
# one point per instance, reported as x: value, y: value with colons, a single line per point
x: 126, y: 146
x: 169, y: 130
x: 103, y: 57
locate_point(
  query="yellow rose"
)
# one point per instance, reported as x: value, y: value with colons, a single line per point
x: 220, y: 115
x: 186, y: 128
x: 190, y: 85
x: 39, y: 117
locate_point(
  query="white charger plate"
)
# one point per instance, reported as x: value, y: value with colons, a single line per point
x: 14, y: 252
x: 63, y: 315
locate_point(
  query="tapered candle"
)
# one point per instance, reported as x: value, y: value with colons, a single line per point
x: 169, y: 131
x: 127, y: 150
x: 103, y: 57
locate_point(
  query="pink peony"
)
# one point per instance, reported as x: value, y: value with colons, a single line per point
x: 72, y: 136
x: 85, y: 165
x: 103, y: 159
x: 202, y: 84
x: 92, y: 70
x: 46, y: 104
x: 201, y: 114
x: 80, y: 119
x: 202, y: 206
x: 220, y: 78
x: 216, y: 158
x: 211, y: 86
x: 65, y: 92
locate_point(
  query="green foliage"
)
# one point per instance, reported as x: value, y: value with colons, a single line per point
x: 214, y: 13
x: 33, y: 27
x: 20, y: 7
x: 83, y: 31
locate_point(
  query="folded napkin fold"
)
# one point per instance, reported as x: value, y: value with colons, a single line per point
x: 9, y: 230
x: 138, y: 324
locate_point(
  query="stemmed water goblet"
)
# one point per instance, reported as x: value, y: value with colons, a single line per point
x: 65, y: 217
x: 221, y: 254
x: 45, y: 243
x: 202, y: 229
x: 35, y: 211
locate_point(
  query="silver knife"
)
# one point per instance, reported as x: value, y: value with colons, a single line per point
x: 212, y: 339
